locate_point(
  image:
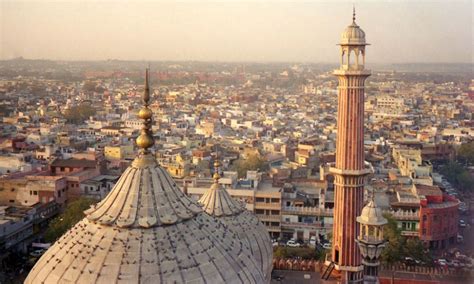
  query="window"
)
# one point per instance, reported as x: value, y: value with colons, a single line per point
x: 423, y: 232
x: 35, y: 192
x: 424, y: 217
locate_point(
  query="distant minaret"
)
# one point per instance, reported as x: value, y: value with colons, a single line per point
x: 349, y: 171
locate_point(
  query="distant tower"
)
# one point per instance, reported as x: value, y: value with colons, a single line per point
x: 349, y: 171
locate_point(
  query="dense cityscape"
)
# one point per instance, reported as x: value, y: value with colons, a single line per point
x: 68, y: 130
x: 129, y: 164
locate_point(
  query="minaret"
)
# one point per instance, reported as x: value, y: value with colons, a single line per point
x: 349, y: 170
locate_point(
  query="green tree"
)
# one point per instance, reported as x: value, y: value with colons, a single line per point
x: 252, y: 163
x: 74, y: 213
x: 280, y: 252
x: 89, y: 86
x: 80, y: 113
x: 465, y: 181
x: 466, y: 153
x: 458, y: 176
x: 393, y: 251
x: 414, y: 248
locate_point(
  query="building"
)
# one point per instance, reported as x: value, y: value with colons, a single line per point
x: 438, y: 217
x: 425, y: 212
x: 18, y: 224
x: 119, y: 152
x: 349, y: 170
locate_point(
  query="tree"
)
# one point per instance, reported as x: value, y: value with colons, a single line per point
x: 89, y: 86
x: 66, y: 220
x: 465, y: 181
x: 399, y: 247
x: 458, y: 176
x: 280, y: 252
x: 393, y: 251
x: 466, y: 153
x: 80, y: 113
x: 252, y: 163
x: 414, y: 249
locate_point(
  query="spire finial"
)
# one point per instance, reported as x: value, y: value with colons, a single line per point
x: 145, y: 140
x: 353, y: 13
x: 216, y: 167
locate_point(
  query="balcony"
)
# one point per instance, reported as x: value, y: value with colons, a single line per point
x: 270, y: 218
x: 307, y: 211
x: 268, y: 205
x: 409, y: 233
x: 315, y: 225
x: 273, y: 228
x: 404, y: 215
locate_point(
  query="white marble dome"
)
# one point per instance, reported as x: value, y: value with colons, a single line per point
x: 217, y: 202
x: 371, y: 215
x: 353, y: 35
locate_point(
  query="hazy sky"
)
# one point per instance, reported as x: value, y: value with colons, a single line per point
x: 399, y: 31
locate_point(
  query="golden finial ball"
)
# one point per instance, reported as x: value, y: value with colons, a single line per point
x: 216, y: 164
x: 145, y: 141
x: 145, y: 113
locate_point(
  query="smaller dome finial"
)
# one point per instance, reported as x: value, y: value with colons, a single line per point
x: 216, y: 168
x: 145, y: 140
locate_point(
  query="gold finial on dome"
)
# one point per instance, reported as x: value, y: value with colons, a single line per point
x: 145, y: 140
x: 216, y: 170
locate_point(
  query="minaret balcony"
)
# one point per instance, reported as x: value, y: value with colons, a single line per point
x: 352, y: 71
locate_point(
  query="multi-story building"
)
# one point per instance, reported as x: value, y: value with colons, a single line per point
x: 438, y: 217
x: 426, y: 213
x: 18, y: 224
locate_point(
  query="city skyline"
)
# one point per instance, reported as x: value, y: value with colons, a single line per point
x: 404, y: 32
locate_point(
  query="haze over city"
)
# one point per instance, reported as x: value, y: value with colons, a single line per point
x: 256, y: 142
x: 408, y: 31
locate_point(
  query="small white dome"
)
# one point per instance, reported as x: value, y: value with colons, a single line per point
x: 371, y: 215
x: 353, y: 34
x: 218, y: 203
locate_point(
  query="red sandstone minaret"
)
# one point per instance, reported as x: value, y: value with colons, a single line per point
x: 349, y: 171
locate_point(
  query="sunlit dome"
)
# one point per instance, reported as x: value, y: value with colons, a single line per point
x: 217, y: 202
x: 371, y: 215
x: 147, y: 231
x: 353, y: 34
